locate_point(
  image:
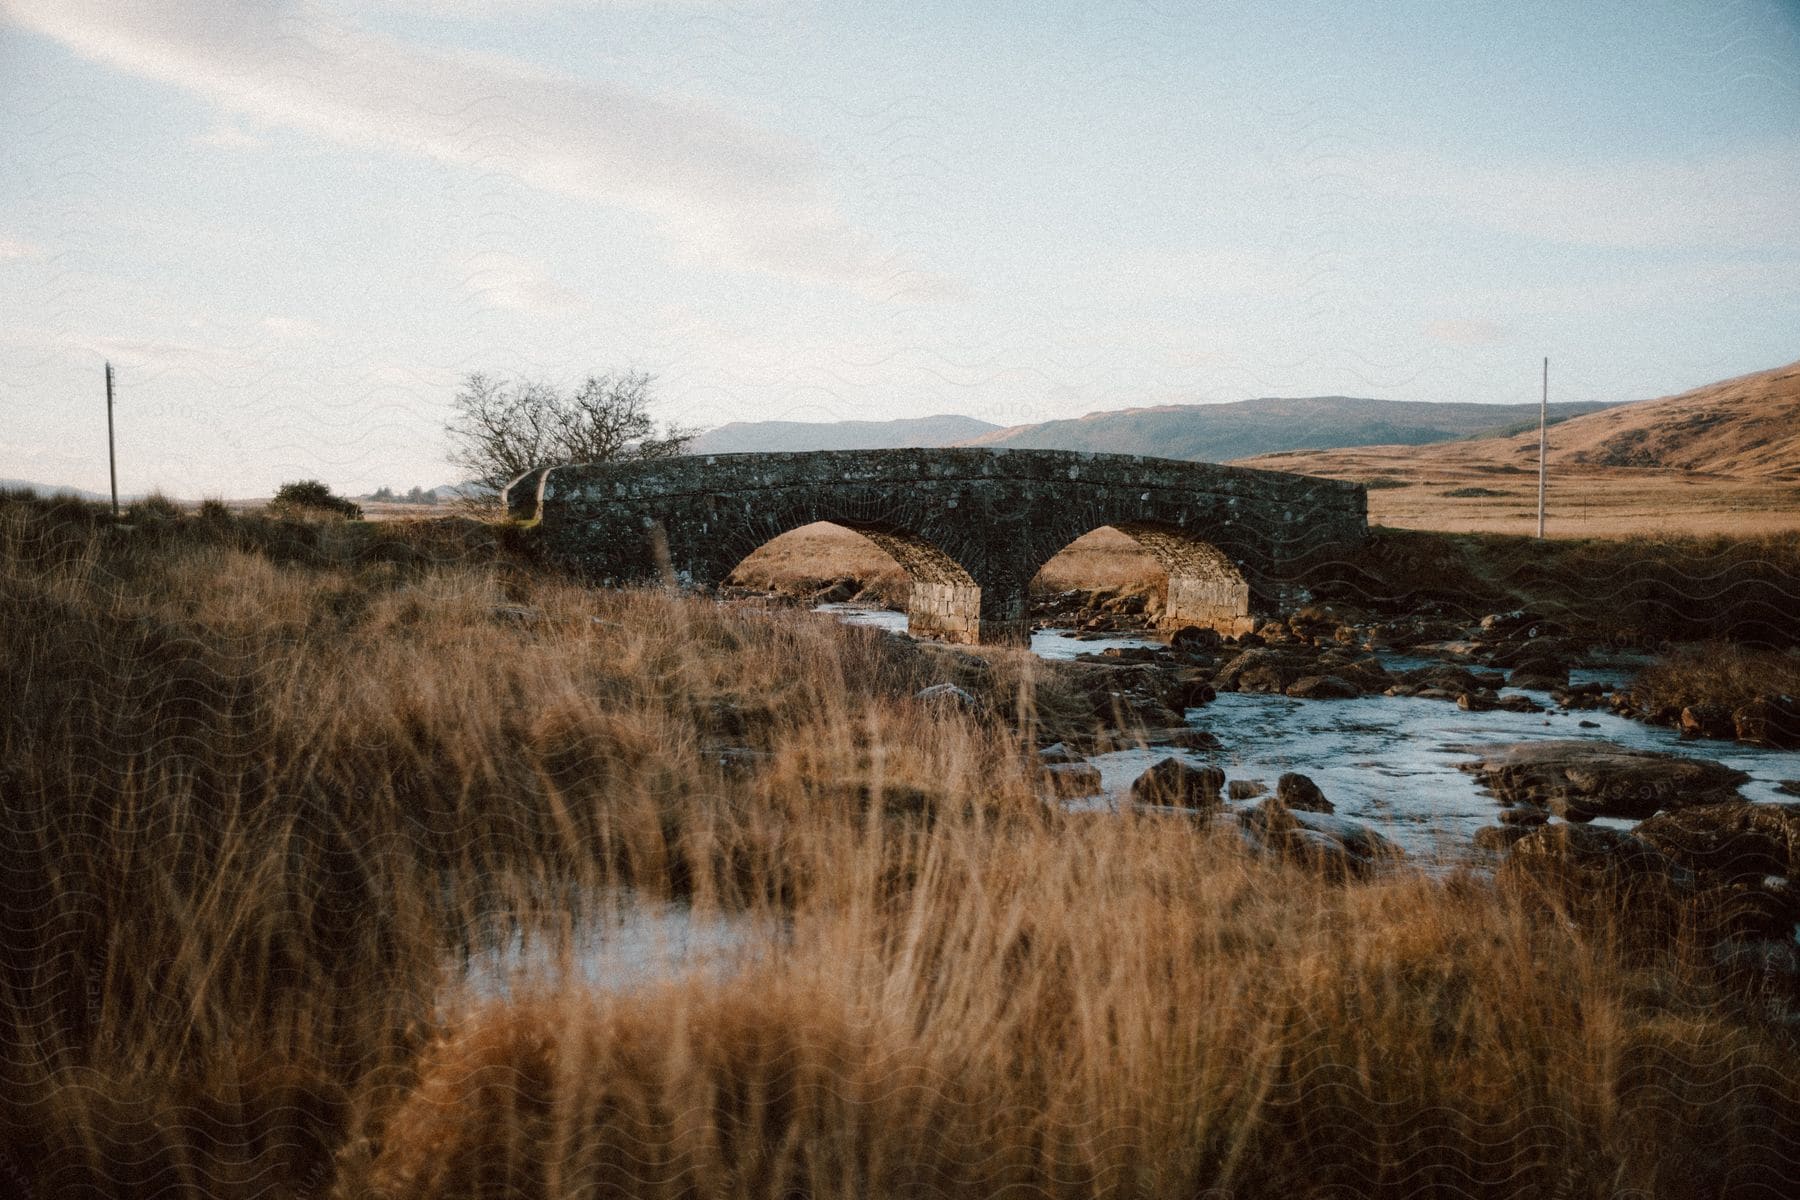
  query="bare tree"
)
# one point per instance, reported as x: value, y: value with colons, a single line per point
x: 501, y: 430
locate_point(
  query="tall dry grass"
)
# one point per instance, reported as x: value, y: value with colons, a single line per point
x: 266, y: 787
x: 1716, y: 674
x: 1119, y: 1007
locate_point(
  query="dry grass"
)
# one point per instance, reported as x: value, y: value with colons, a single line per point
x: 1414, y: 488
x: 1118, y: 1007
x: 1717, y: 675
x: 263, y: 783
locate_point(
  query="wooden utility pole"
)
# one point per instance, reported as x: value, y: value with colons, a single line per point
x: 112, y: 464
x: 1543, y: 444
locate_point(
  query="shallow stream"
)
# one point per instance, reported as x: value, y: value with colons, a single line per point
x: 1388, y: 761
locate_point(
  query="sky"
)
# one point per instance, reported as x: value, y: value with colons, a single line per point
x: 293, y: 226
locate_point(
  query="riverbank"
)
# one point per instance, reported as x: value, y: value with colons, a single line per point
x: 268, y: 785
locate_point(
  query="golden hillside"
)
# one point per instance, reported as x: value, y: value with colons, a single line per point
x: 1721, y: 458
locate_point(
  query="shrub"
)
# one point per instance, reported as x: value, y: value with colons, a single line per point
x: 311, y: 496
x: 154, y: 507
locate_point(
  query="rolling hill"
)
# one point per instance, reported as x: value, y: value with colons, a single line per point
x: 1221, y: 432
x: 1747, y: 428
x: 1720, y: 459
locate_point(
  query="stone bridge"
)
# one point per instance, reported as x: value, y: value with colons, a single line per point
x: 970, y: 526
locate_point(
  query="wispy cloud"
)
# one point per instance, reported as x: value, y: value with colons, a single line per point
x: 517, y: 283
x: 13, y: 248
x: 725, y: 191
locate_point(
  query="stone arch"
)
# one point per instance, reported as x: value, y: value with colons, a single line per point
x: 1205, y: 587
x: 944, y: 600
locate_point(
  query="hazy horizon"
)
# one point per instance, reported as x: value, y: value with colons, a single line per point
x: 293, y: 225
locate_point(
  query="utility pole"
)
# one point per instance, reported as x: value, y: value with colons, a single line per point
x: 112, y: 463
x: 1543, y: 444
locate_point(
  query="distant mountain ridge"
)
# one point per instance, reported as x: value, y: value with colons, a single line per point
x: 63, y: 489
x: 1199, y: 432
x: 1243, y: 428
x: 742, y: 437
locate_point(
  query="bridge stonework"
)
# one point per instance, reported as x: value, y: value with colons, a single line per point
x: 970, y: 526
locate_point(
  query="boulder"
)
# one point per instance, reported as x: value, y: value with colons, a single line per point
x: 1732, y: 840
x: 948, y: 696
x: 1195, y: 688
x: 1301, y: 794
x: 1058, y: 752
x: 1580, y: 780
x: 1319, y: 621
x: 1557, y: 652
x: 1131, y: 694
x: 1135, y: 653
x: 1245, y: 789
x: 1335, y: 846
x: 1537, y: 679
x: 1365, y: 671
x: 1457, y: 648
x: 1517, y: 704
x: 1262, y: 670
x: 1323, y: 687
x: 1196, y: 637
x: 1523, y: 816
x: 1507, y: 622
x: 1063, y: 781
x: 1746, y: 908
x: 1591, y: 867
x: 1497, y: 839
x: 1477, y: 702
x: 1769, y: 721
x: 1769, y: 966
x: 1585, y: 695
x: 836, y: 592
x: 1174, y: 783
x: 1184, y: 737
x: 1706, y: 721
x: 1453, y: 680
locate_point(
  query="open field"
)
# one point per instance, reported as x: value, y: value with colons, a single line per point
x: 1721, y: 459
x: 1409, y: 490
x: 264, y: 782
